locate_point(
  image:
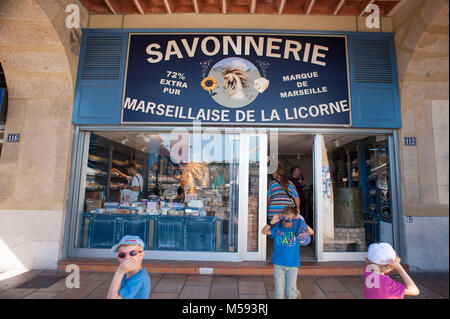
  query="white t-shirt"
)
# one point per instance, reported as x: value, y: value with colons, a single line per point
x: 137, y: 180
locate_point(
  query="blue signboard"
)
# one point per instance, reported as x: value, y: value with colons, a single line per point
x: 237, y: 79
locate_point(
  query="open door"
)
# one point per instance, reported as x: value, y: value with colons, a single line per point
x: 354, y: 206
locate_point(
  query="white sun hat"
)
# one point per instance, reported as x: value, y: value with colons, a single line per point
x: 380, y: 253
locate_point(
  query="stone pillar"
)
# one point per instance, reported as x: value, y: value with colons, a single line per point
x: 34, y: 172
x: 421, y: 34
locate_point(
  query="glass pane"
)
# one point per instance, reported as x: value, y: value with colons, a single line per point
x: 253, y: 194
x: 178, y: 191
x: 357, y: 192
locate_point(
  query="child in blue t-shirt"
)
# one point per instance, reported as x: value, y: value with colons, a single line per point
x: 131, y: 280
x: 286, y: 251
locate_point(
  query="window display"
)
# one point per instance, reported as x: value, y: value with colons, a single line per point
x: 360, y: 207
x: 187, y: 203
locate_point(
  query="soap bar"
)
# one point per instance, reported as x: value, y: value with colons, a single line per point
x: 261, y: 84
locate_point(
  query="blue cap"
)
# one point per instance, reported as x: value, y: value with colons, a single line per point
x: 302, y: 232
x: 128, y: 240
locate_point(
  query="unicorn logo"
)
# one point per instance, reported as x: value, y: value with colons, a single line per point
x: 235, y: 81
x: 231, y: 82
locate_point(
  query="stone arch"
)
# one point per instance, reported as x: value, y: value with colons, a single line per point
x: 34, y: 172
x: 55, y: 10
x: 410, y: 24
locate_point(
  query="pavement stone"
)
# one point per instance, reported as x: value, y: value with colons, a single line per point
x: 330, y: 284
x: 252, y: 296
x: 252, y: 286
x: 86, y: 287
x: 340, y: 295
x: 312, y: 292
x: 100, y: 292
x: 16, y: 293
x: 198, y: 281
x: 164, y: 295
x: 37, y: 294
x: 195, y: 292
x: 95, y: 285
x: 170, y: 283
x: 17, y: 280
x: 218, y: 292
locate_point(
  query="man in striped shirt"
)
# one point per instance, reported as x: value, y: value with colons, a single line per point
x: 279, y: 197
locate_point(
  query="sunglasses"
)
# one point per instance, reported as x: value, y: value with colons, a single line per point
x: 132, y: 253
x: 287, y: 220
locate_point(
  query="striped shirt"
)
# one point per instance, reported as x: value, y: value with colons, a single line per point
x: 277, y: 197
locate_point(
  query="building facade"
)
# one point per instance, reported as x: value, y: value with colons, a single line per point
x: 52, y: 198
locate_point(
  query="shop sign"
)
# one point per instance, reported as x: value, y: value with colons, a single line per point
x: 237, y: 79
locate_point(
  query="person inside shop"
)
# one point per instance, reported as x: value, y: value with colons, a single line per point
x: 135, y: 180
x: 299, y: 183
x: 180, y: 195
x: 281, y: 193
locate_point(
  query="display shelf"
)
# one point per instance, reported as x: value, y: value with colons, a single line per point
x: 95, y: 189
x: 97, y: 159
x: 105, y: 154
x: 365, y: 164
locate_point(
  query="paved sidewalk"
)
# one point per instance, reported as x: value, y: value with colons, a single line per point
x: 94, y: 285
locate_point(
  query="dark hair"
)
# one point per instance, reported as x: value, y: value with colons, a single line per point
x: 131, y: 165
x: 289, y: 210
x: 293, y: 168
x: 282, y: 178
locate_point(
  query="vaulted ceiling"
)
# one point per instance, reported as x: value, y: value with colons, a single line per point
x: 301, y: 7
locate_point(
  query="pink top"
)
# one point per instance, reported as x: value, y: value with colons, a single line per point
x: 378, y: 286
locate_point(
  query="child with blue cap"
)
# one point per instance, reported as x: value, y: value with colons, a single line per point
x: 131, y: 280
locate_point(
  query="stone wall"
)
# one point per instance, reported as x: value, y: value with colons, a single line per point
x: 421, y: 34
x: 422, y: 44
x: 39, y: 60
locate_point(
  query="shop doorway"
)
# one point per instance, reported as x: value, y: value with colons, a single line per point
x: 294, y: 153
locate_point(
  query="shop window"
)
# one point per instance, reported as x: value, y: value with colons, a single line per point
x: 177, y: 192
x: 253, y: 194
x: 357, y: 192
